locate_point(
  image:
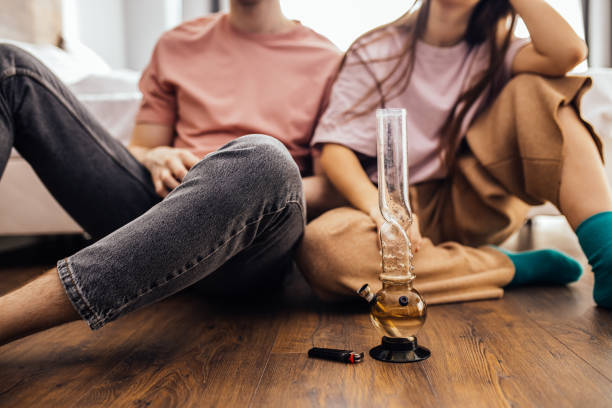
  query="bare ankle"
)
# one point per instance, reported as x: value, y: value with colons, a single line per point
x: 38, y: 305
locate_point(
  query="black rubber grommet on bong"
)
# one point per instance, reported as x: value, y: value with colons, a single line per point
x: 399, y: 350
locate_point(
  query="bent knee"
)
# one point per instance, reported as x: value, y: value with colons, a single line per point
x: 12, y: 56
x: 263, y: 147
x: 568, y: 116
x: 338, y: 253
x: 523, y: 83
x: 524, y: 87
x: 271, y: 164
x: 10, y: 50
x: 257, y: 164
x: 333, y: 230
x: 264, y: 142
x: 268, y: 159
x: 260, y: 171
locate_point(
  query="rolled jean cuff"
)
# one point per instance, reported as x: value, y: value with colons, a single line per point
x: 75, y: 294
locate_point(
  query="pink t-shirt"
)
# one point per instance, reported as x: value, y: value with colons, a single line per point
x: 213, y: 83
x: 440, y: 74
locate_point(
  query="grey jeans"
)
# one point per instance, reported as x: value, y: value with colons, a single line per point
x: 230, y: 226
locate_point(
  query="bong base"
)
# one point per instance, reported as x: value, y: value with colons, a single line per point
x: 399, y: 350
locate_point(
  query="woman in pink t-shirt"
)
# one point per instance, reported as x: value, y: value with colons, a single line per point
x: 482, y: 148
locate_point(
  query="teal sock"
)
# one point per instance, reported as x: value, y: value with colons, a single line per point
x: 543, y: 266
x: 595, y: 236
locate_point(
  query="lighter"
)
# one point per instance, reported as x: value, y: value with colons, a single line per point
x: 344, y: 356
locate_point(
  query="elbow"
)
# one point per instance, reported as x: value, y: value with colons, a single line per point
x: 574, y: 55
x: 579, y: 53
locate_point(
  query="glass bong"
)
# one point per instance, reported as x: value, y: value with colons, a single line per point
x: 397, y: 311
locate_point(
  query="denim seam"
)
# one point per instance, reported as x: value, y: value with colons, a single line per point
x: 7, y: 73
x: 11, y: 125
x: 110, y: 313
x: 79, y: 291
x: 14, y: 71
x: 76, y: 296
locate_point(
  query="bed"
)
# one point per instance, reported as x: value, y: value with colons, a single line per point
x: 26, y: 207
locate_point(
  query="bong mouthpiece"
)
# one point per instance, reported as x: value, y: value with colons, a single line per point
x: 366, y: 293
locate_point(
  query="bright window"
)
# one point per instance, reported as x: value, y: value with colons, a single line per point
x: 344, y: 20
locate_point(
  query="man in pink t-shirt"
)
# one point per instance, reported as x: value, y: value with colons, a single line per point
x: 219, y: 77
x: 229, y: 105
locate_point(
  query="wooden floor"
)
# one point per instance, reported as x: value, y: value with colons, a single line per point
x: 538, y: 347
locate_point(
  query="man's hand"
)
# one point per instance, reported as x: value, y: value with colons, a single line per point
x: 414, y: 232
x: 150, y: 145
x: 168, y: 166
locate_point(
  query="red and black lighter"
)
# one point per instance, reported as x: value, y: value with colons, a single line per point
x: 344, y: 356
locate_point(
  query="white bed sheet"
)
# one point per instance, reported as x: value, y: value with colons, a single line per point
x: 111, y: 96
x: 113, y: 99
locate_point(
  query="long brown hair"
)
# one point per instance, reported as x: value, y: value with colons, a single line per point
x: 482, y: 27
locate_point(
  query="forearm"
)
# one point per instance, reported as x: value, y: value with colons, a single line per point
x: 146, y: 137
x: 139, y: 152
x: 320, y: 195
x: 551, y: 35
x: 346, y: 174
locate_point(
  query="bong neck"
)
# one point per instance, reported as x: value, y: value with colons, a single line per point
x: 393, y: 284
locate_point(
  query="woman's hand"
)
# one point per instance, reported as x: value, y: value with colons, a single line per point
x: 347, y: 175
x: 414, y: 232
x: 168, y: 166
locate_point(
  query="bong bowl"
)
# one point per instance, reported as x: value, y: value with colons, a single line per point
x: 398, y: 312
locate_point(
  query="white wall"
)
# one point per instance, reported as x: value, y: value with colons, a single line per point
x: 98, y: 25
x: 344, y: 20
x: 195, y: 8
x: 123, y: 32
x: 600, y: 33
x: 145, y: 21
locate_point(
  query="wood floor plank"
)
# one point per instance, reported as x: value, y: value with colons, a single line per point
x: 535, y: 368
x: 568, y: 313
x: 462, y: 365
x: 537, y: 347
x: 570, y: 316
x: 375, y: 383
x: 479, y: 359
x: 60, y: 365
x: 202, y: 356
x: 293, y: 379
